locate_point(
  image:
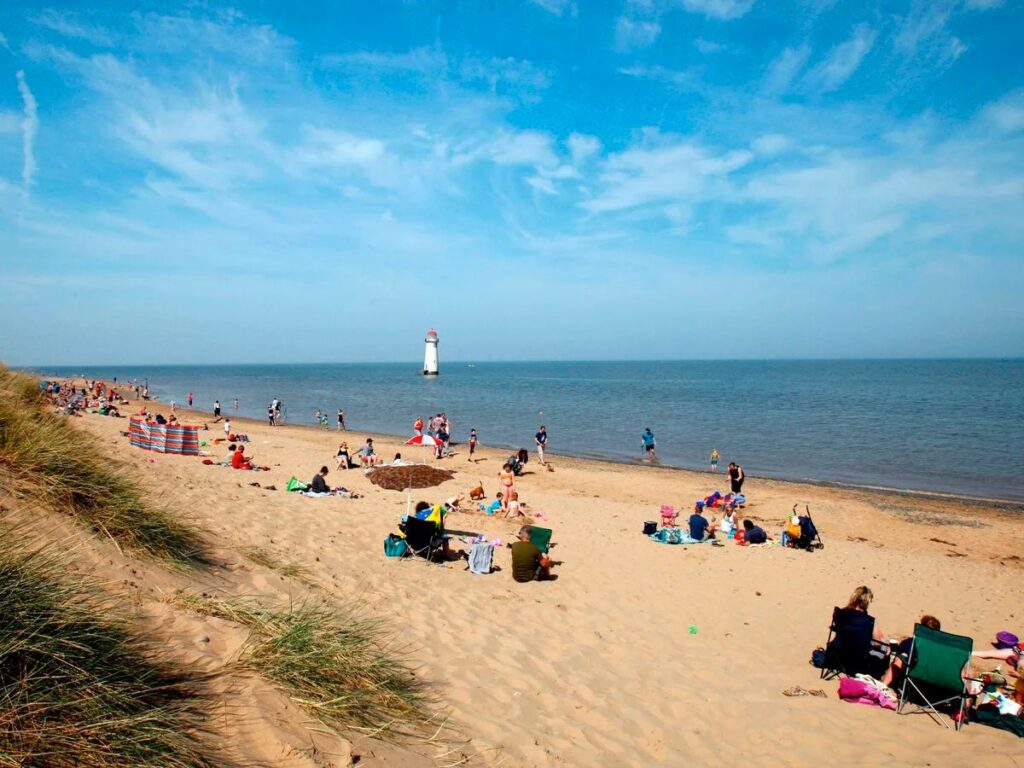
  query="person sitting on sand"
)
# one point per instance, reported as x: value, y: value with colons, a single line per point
x: 239, y: 460
x: 343, y: 457
x: 727, y: 525
x: 514, y: 507
x: 319, y: 482
x: 753, y: 534
x: 397, y: 461
x: 700, y: 528
x: 528, y: 562
x: 894, y: 674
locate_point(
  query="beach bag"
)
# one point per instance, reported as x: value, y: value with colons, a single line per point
x: 296, y: 485
x: 818, y: 658
x: 650, y: 527
x: 395, y: 546
x: 668, y: 536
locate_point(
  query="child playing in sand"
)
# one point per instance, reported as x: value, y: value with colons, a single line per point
x: 514, y: 508
x: 494, y: 506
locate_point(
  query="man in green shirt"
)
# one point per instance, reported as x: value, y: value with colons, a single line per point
x: 528, y: 563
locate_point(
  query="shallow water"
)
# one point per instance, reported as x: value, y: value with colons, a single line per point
x: 954, y: 426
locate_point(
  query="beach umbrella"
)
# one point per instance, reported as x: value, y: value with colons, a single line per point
x: 408, y: 476
x: 423, y: 439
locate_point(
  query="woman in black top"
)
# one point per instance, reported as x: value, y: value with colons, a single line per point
x: 736, y: 476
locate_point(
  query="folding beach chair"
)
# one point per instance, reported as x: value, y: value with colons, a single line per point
x: 851, y: 648
x: 935, y: 667
x: 540, y: 538
x: 423, y: 538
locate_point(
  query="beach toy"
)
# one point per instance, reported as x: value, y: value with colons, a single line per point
x: 693, y: 629
x: 1006, y: 639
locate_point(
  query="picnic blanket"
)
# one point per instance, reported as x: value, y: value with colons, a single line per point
x: 164, y: 438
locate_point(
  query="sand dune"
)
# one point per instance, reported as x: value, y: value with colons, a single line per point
x: 601, y: 668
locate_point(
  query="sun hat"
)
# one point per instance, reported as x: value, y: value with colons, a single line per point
x: 1006, y: 639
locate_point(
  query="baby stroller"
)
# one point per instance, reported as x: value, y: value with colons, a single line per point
x: 809, y: 539
x: 517, y: 461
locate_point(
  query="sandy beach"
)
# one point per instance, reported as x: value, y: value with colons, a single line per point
x: 639, y: 653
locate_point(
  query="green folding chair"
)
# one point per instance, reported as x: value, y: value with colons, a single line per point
x: 540, y: 538
x: 935, y: 667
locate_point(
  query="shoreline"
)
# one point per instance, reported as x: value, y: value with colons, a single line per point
x: 1007, y: 505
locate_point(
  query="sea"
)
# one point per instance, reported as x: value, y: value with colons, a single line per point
x: 944, y: 426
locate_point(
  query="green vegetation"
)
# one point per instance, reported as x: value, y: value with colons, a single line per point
x: 66, y: 469
x: 338, y: 666
x: 75, y: 686
x: 288, y: 570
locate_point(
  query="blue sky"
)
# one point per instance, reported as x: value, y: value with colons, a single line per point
x: 538, y: 180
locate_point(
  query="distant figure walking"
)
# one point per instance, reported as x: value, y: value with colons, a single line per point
x: 270, y: 415
x: 341, y: 420
x: 189, y: 399
x: 736, y: 476
x: 236, y: 405
x: 647, y: 440
x: 714, y: 459
x: 541, y: 440
x: 216, y: 411
x: 227, y: 427
x: 417, y: 426
x: 472, y: 444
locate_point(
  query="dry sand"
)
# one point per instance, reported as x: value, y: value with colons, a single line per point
x: 600, y: 668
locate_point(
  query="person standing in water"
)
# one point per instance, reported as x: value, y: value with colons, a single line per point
x: 236, y: 406
x: 341, y: 420
x: 216, y: 410
x: 714, y: 459
x: 189, y: 399
x: 647, y: 440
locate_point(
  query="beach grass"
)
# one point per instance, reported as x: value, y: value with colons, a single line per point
x: 76, y: 686
x: 44, y: 458
x: 338, y: 665
x: 260, y: 556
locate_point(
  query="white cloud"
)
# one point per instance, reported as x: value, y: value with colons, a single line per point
x: 582, y: 147
x: 771, y: 144
x: 842, y: 61
x: 29, y: 127
x: 630, y: 33
x: 556, y: 7
x: 707, y: 46
x: 542, y: 184
x: 1007, y: 114
x: 68, y: 25
x: 661, y: 170
x: 3, y: 41
x: 784, y: 69
x: 659, y: 73
x: 529, y: 148
x: 719, y: 9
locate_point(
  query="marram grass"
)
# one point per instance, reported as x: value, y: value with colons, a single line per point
x: 337, y: 665
x: 44, y: 458
x: 75, y: 686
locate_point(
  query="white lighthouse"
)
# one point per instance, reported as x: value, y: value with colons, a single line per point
x: 430, y: 355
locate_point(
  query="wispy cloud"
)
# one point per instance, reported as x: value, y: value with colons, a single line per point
x: 842, y: 61
x: 69, y: 25
x: 784, y: 69
x: 556, y: 7
x: 719, y: 9
x: 29, y: 127
x: 634, y: 33
x: 582, y: 147
x: 707, y: 46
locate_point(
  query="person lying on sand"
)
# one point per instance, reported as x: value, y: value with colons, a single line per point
x: 753, y: 534
x: 494, y: 507
x: 528, y: 563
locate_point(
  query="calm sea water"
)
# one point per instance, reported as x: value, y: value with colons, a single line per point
x: 948, y: 426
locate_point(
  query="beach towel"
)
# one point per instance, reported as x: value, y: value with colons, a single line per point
x: 481, y: 554
x: 673, y: 536
x: 864, y: 689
